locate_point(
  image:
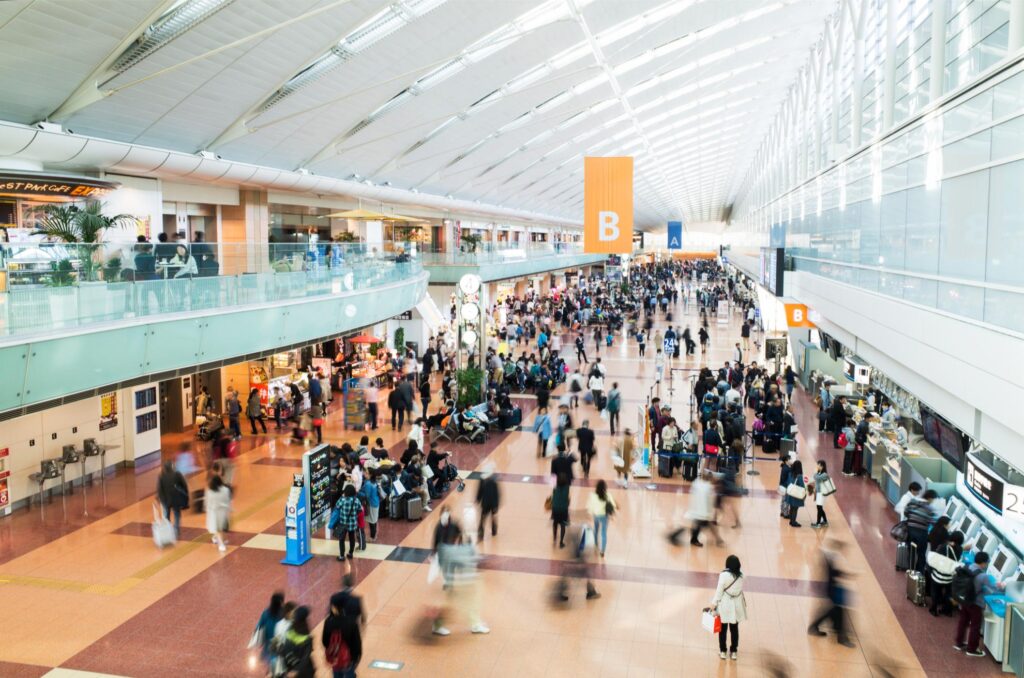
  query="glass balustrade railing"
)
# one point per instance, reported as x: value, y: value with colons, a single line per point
x: 56, y: 286
x: 495, y: 253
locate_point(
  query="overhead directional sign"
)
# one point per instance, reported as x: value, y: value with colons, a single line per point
x: 608, y: 205
x: 675, y: 235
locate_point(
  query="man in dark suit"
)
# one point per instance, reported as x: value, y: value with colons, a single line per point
x: 838, y: 416
x: 585, y: 441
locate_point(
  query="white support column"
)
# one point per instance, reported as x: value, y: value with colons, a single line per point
x: 938, y: 50
x: 889, y: 66
x: 837, y: 67
x: 857, y: 94
x: 1016, y: 26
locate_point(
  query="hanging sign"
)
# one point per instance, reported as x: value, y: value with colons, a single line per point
x: 608, y: 205
x: 675, y: 235
x: 797, y: 315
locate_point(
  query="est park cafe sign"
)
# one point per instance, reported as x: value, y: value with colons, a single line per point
x: 608, y: 205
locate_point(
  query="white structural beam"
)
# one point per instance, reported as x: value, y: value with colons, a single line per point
x: 938, y: 51
x: 889, y: 67
x: 1016, y: 41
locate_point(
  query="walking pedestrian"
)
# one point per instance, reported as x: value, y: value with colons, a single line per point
x: 488, y: 496
x: 217, y: 502
x: 558, y: 503
x: 342, y: 639
x: 601, y: 507
x: 795, y: 497
x: 344, y: 521
x: 613, y: 406
x: 834, y: 609
x: 234, y: 410
x: 730, y: 605
x: 298, y: 646
x: 263, y: 634
x: 172, y: 491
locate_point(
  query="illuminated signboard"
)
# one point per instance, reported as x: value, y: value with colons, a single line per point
x: 985, y: 484
x: 33, y: 185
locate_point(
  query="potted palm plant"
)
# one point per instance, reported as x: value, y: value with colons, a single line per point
x: 81, y: 228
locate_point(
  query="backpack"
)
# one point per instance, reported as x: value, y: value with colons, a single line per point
x: 843, y: 441
x: 337, y: 653
x: 963, y: 586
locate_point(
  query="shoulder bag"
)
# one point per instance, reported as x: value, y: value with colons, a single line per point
x: 796, y: 491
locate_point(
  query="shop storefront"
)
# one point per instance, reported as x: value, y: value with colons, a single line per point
x: 189, y: 219
x: 23, y: 195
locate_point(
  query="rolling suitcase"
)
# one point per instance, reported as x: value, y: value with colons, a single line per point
x: 916, y: 587
x: 905, y: 555
x: 198, y: 501
x: 690, y: 466
x: 787, y: 445
x: 413, y: 508
x: 664, y: 466
x: 395, y: 507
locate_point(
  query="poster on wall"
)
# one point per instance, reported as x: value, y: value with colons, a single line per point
x: 108, y: 410
x: 5, y: 491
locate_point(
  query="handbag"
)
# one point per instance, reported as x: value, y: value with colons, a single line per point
x: 942, y: 564
x: 318, y: 422
x: 711, y: 449
x: 710, y: 621
x: 900, y: 531
x: 256, y: 640
x: 428, y: 472
x: 827, y: 487
x: 796, y: 491
x: 547, y: 504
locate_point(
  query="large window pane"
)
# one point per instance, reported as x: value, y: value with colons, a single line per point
x: 922, y: 249
x: 1005, y: 260
x: 1005, y: 309
x: 962, y: 300
x: 1008, y: 139
x: 964, y: 226
x: 966, y: 153
x: 891, y: 285
x: 1009, y: 96
x: 919, y: 291
x: 893, y: 230
x: 870, y: 215
x: 968, y: 116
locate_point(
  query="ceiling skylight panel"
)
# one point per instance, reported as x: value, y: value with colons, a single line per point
x: 438, y: 75
x: 590, y: 83
x: 382, y: 25
x: 542, y: 15
x: 528, y: 78
x: 566, y: 57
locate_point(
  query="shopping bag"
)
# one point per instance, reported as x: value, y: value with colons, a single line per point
x: 257, y: 638
x: 434, y: 571
x: 163, y: 530
x: 710, y: 621
x: 827, y: 487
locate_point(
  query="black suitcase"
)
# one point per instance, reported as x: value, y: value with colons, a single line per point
x: 664, y: 466
x: 396, y: 507
x: 847, y: 461
x: 689, y: 469
x: 198, y: 499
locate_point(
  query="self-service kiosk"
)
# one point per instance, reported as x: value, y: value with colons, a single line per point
x: 969, y: 525
x: 1003, y: 563
x: 986, y: 541
x: 955, y: 508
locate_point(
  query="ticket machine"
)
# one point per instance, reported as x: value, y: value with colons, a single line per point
x: 986, y: 541
x: 969, y: 524
x: 955, y: 508
x: 1003, y: 563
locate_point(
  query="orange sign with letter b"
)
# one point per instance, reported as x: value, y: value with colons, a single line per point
x: 608, y: 205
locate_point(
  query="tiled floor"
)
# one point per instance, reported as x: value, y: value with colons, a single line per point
x: 95, y: 597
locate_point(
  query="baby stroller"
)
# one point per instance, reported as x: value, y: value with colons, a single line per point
x: 209, y: 426
x: 450, y: 474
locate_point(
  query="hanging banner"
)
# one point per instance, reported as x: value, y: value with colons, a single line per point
x: 675, y: 235
x: 608, y: 205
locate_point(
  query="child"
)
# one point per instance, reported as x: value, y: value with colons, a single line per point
x: 821, y: 479
x: 609, y: 338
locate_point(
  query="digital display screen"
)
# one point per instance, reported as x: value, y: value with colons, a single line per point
x: 944, y: 437
x: 1000, y: 561
x: 318, y: 470
x: 985, y: 485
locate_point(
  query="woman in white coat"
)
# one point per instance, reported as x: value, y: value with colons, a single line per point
x: 217, y: 502
x: 730, y: 605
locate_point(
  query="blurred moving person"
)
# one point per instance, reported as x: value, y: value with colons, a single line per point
x: 701, y: 512
x: 341, y: 638
x: 465, y: 589
x: 835, y: 609
x: 488, y: 495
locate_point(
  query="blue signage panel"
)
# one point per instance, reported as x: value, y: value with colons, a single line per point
x: 675, y: 235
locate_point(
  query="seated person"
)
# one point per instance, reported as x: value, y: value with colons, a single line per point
x: 436, y: 461
x: 469, y: 422
x: 413, y: 450
x: 379, y: 451
x: 412, y: 480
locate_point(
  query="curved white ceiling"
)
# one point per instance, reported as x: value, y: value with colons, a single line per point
x: 486, y: 100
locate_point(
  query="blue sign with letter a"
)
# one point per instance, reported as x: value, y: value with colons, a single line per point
x: 675, y: 235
